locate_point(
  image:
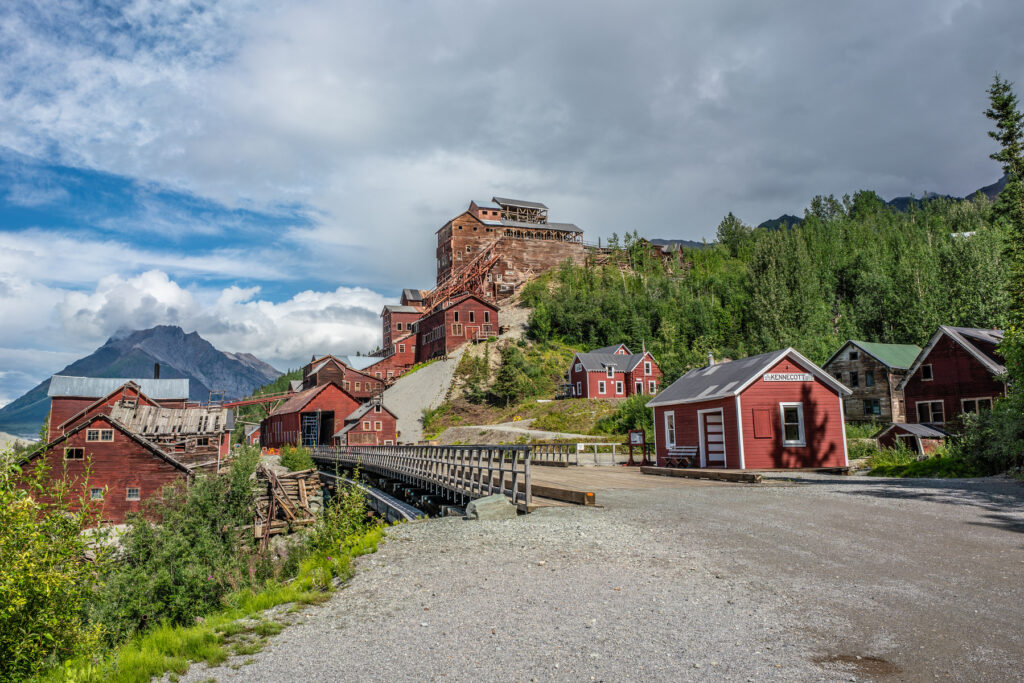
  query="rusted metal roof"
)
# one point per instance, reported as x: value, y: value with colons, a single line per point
x: 152, y: 421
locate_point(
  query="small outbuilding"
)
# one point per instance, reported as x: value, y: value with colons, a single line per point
x: 774, y: 410
x: 370, y: 425
x: 919, y: 438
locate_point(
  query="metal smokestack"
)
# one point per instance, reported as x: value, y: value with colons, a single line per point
x: 156, y: 371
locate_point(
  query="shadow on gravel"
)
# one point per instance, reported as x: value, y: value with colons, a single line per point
x: 998, y: 496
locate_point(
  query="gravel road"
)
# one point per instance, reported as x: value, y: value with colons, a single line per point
x: 831, y: 578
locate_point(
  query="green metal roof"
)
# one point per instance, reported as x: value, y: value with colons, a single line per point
x: 896, y: 356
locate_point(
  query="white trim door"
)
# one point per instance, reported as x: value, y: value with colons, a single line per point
x: 711, y: 429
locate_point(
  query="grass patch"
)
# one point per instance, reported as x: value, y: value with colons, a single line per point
x: 171, y: 649
x: 861, y: 430
x: 938, y: 467
x: 420, y: 366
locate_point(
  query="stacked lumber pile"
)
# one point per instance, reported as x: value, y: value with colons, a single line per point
x: 285, y: 501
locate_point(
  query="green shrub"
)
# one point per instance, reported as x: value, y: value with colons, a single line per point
x: 183, y: 566
x: 891, y: 457
x: 632, y: 413
x: 296, y: 458
x: 44, y: 578
x: 901, y: 462
x: 861, y: 430
x: 993, y: 442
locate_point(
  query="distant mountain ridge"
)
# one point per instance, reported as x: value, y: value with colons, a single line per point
x: 899, y: 203
x: 133, y: 355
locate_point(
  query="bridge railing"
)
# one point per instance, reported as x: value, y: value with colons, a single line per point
x: 554, y: 453
x: 466, y: 471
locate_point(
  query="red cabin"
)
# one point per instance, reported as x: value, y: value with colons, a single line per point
x: 73, y: 398
x: 126, y: 469
x: 308, y: 418
x: 613, y: 372
x: 370, y: 425
x: 956, y: 373
x: 775, y: 410
x: 449, y: 326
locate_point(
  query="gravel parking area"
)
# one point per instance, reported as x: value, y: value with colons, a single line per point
x: 828, y: 578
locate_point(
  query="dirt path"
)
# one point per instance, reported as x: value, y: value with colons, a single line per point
x: 838, y: 579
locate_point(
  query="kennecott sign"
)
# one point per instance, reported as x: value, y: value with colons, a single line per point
x: 788, y: 377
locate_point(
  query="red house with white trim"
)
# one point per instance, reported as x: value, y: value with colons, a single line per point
x: 371, y: 424
x: 124, y: 468
x: 774, y: 410
x: 613, y: 372
x: 956, y: 373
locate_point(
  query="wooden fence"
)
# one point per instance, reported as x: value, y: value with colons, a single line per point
x: 559, y: 454
x: 455, y: 472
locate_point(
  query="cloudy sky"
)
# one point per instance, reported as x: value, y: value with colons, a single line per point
x: 270, y: 174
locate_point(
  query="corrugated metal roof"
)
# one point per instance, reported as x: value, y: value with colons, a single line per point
x: 727, y: 379
x: 610, y: 349
x: 922, y: 430
x: 518, y: 202
x: 97, y: 387
x: 360, y: 362
x: 413, y: 294
x: 597, y: 361
x: 894, y: 356
x: 486, y: 205
x: 297, y: 402
x: 560, y: 227
x: 398, y: 308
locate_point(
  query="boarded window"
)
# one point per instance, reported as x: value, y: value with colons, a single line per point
x: 762, y: 423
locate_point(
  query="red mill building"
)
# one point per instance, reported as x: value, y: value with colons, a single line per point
x: 493, y: 247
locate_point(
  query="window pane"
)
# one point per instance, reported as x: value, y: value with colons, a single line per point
x: 923, y: 413
x: 792, y: 415
x: 792, y: 432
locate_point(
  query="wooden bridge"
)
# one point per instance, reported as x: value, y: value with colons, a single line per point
x: 436, y: 477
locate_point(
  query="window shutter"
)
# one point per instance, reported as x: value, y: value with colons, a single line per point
x: 762, y: 423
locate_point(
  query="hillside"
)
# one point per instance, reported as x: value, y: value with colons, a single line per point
x: 133, y: 355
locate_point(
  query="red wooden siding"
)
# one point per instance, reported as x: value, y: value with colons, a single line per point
x: 116, y: 466
x: 286, y: 427
x: 688, y: 432
x: 588, y: 382
x: 440, y: 333
x: 823, y: 424
x: 957, y: 375
x: 366, y: 433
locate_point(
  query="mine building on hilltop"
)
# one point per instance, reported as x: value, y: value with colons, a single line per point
x: 873, y: 372
x: 493, y: 247
x: 613, y: 372
x: 452, y: 324
x: 360, y: 383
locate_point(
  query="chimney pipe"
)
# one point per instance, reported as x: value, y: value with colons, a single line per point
x: 156, y: 371
x: 711, y: 359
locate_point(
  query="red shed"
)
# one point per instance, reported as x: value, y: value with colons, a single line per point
x: 309, y: 417
x: 449, y: 326
x: 923, y: 439
x: 613, y: 372
x: 955, y: 373
x: 370, y: 425
x: 775, y: 410
x: 126, y: 469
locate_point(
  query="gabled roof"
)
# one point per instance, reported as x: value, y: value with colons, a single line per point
x: 893, y: 356
x: 103, y: 399
x: 352, y: 421
x: 967, y: 338
x: 922, y: 430
x: 157, y: 421
x: 729, y: 379
x: 397, y: 308
x: 502, y: 201
x: 297, y: 402
x: 485, y: 205
x: 251, y: 429
x: 148, y: 445
x: 561, y: 227
x: 295, y: 385
x: 360, y: 363
x: 598, y: 361
x: 96, y: 387
x: 611, y: 349
x: 413, y: 294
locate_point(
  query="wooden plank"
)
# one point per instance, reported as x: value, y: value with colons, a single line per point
x: 716, y: 475
x: 550, y: 463
x: 563, y: 494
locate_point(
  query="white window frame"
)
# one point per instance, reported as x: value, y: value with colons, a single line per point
x: 802, y: 440
x: 377, y: 425
x: 401, y: 348
x: 638, y: 386
x: 931, y: 413
x: 366, y: 425
x: 931, y: 373
x: 601, y: 385
x: 652, y: 387
x: 579, y: 367
x: 579, y: 388
x: 399, y: 326
x: 963, y: 403
x: 609, y: 372
x: 670, y: 429
x: 619, y: 388
x: 128, y: 493
x: 95, y: 494
x: 647, y: 367
x: 99, y: 435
